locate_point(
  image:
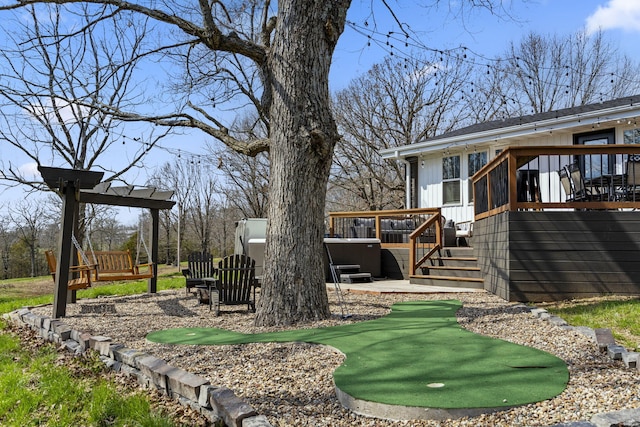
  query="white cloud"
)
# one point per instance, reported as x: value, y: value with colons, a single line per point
x: 29, y: 170
x: 616, y: 14
x: 426, y: 71
x: 66, y: 110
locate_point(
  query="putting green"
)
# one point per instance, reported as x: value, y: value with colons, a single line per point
x: 418, y: 356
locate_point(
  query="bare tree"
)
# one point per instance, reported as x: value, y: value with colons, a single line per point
x: 179, y: 176
x: 7, y: 237
x: 245, y: 179
x: 28, y: 220
x: 246, y: 182
x: 56, y: 74
x: 397, y: 102
x: 226, y: 216
x: 545, y: 73
x: 274, y: 57
x: 202, y: 206
x: 104, y: 231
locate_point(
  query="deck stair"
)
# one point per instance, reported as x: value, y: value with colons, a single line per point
x: 350, y: 273
x: 453, y: 267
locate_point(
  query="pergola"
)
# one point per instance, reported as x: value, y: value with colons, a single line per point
x: 81, y: 186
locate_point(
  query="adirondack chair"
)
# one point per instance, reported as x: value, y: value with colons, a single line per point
x: 84, y: 273
x: 235, y: 283
x: 200, y: 265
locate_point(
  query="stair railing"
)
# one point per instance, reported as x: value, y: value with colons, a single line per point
x: 418, y: 246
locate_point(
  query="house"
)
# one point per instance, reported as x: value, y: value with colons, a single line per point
x: 440, y: 168
x: 553, y: 197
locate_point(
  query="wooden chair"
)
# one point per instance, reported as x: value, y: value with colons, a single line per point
x: 83, y: 272
x: 200, y: 265
x: 236, y: 282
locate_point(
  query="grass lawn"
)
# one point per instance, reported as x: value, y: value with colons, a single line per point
x: 16, y: 293
x: 81, y: 389
x: 620, y: 314
x: 40, y: 390
x: 44, y: 387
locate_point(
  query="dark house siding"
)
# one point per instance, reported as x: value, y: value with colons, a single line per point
x: 545, y: 256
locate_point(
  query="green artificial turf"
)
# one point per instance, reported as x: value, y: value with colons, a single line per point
x: 398, y: 359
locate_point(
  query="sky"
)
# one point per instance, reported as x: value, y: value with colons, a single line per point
x: 363, y: 44
x: 483, y: 33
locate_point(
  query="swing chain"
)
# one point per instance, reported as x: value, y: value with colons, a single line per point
x: 85, y: 260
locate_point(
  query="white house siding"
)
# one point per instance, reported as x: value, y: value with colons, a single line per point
x: 430, y: 179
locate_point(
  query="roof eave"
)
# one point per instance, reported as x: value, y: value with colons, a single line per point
x: 493, y: 135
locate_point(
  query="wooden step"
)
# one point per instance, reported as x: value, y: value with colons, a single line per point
x: 347, y: 268
x: 447, y: 281
x: 454, y: 261
x: 452, y: 271
x: 450, y: 252
x: 355, y: 278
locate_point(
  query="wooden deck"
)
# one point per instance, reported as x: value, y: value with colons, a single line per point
x: 532, y: 240
x: 550, y: 245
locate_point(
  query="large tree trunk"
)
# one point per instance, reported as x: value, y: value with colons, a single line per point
x: 303, y: 134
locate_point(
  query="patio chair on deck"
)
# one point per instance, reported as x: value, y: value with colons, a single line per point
x: 632, y: 191
x: 464, y: 231
x: 573, y: 184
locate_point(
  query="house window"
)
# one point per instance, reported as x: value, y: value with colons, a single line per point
x: 451, y: 180
x: 631, y: 136
x: 476, y: 162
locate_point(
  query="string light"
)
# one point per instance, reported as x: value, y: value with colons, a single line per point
x: 385, y: 40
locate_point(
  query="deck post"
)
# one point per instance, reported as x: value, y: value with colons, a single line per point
x: 511, y: 180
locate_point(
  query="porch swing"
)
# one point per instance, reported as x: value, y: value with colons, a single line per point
x: 118, y: 265
x: 82, y: 272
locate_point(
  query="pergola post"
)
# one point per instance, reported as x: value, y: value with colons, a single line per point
x: 64, y: 256
x: 152, y: 284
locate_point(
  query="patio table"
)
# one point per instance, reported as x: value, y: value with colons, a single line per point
x: 210, y: 284
x: 614, y: 186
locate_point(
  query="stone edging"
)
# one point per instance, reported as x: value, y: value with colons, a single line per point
x: 602, y: 337
x: 215, y: 403
x: 606, y: 344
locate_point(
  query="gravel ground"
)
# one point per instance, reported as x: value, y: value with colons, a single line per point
x: 292, y: 383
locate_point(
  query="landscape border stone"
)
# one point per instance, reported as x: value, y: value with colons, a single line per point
x: 603, y: 338
x: 217, y: 404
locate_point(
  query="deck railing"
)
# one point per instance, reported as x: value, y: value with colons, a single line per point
x: 549, y: 178
x: 419, y: 230
x: 519, y: 178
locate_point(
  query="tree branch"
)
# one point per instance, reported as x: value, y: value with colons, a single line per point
x: 210, y: 35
